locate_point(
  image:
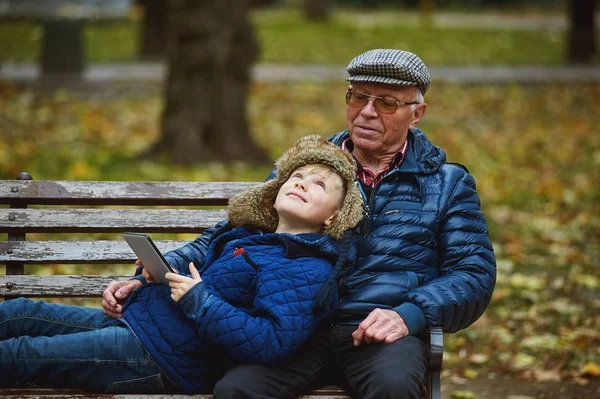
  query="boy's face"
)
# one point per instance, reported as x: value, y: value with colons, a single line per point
x: 310, y: 198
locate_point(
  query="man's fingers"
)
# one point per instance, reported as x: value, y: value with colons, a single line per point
x: 125, y: 289
x: 359, y: 334
x: 112, y: 311
x: 393, y: 337
x: 380, y: 326
x: 109, y: 293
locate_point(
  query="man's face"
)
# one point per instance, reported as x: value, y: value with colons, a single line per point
x: 310, y: 198
x: 375, y: 134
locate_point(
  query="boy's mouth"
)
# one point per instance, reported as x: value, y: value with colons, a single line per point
x: 296, y: 195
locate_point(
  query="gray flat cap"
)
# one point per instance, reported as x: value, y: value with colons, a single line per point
x: 395, y: 67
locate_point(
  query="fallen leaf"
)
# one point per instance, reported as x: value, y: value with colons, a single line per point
x: 590, y: 370
x: 463, y: 395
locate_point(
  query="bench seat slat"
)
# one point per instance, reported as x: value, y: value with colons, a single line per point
x: 68, y: 192
x: 66, y: 394
x: 69, y: 252
x: 108, y: 220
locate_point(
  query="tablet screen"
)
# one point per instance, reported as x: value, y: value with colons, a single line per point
x: 145, y: 249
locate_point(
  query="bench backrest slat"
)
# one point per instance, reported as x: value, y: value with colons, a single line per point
x: 69, y: 192
x: 70, y: 252
x: 56, y: 286
x: 108, y: 220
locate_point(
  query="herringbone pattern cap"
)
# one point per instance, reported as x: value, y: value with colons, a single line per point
x: 396, y: 67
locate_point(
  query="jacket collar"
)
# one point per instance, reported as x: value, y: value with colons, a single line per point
x: 296, y: 245
x: 421, y: 156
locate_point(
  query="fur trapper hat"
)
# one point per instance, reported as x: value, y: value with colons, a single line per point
x: 255, y: 205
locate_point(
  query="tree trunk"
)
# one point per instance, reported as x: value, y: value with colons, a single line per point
x: 63, y: 48
x: 211, y: 48
x: 317, y: 10
x: 154, y: 29
x: 582, y: 34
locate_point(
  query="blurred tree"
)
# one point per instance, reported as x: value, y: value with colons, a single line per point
x: 153, y: 41
x: 582, y: 32
x: 211, y: 47
x: 426, y: 9
x: 63, y: 52
x: 317, y: 10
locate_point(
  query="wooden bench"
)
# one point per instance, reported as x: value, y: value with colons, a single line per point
x: 62, y: 52
x: 85, y: 207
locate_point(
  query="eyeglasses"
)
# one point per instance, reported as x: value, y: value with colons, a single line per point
x: 383, y: 105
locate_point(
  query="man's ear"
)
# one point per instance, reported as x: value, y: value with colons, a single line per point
x: 418, y: 114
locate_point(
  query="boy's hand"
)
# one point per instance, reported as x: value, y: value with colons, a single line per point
x: 181, y: 284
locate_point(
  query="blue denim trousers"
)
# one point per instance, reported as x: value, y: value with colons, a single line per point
x: 62, y: 346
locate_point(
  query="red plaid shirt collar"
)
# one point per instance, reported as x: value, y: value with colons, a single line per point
x: 367, y: 176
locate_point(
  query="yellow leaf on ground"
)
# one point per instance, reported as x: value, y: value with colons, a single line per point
x: 463, y: 395
x: 590, y: 370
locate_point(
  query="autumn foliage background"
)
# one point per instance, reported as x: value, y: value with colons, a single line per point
x: 533, y: 149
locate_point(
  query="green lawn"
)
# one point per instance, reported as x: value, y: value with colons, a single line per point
x: 286, y: 37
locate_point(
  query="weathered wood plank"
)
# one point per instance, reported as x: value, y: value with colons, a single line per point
x: 67, y: 192
x: 108, y: 220
x: 28, y: 393
x: 144, y: 396
x: 55, y: 286
x: 75, y: 251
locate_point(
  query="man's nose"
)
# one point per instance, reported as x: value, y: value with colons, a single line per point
x: 369, y: 108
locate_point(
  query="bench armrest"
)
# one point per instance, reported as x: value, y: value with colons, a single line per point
x: 436, y: 349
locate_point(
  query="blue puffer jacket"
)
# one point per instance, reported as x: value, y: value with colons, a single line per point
x: 254, y: 304
x: 424, y: 249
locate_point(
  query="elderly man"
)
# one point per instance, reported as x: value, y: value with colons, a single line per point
x: 423, y: 258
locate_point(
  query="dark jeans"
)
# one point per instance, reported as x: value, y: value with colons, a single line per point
x: 395, y: 370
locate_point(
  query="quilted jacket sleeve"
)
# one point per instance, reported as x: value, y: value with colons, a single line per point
x: 459, y: 296
x: 194, y: 251
x: 281, y: 320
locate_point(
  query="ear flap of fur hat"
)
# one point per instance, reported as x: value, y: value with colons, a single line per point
x: 255, y: 205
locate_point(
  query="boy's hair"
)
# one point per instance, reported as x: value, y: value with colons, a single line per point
x: 255, y: 205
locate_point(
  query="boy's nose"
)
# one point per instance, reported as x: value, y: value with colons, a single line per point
x: 300, y: 185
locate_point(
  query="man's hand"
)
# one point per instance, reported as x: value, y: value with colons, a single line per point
x: 380, y: 326
x: 181, y: 284
x: 115, y: 295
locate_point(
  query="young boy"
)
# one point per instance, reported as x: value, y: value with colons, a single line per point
x: 254, y: 301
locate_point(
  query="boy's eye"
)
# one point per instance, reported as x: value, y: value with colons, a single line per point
x: 297, y: 175
x: 321, y: 184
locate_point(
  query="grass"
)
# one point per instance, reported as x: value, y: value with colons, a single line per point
x: 288, y: 38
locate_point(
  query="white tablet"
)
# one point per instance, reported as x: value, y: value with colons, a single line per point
x: 145, y: 249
